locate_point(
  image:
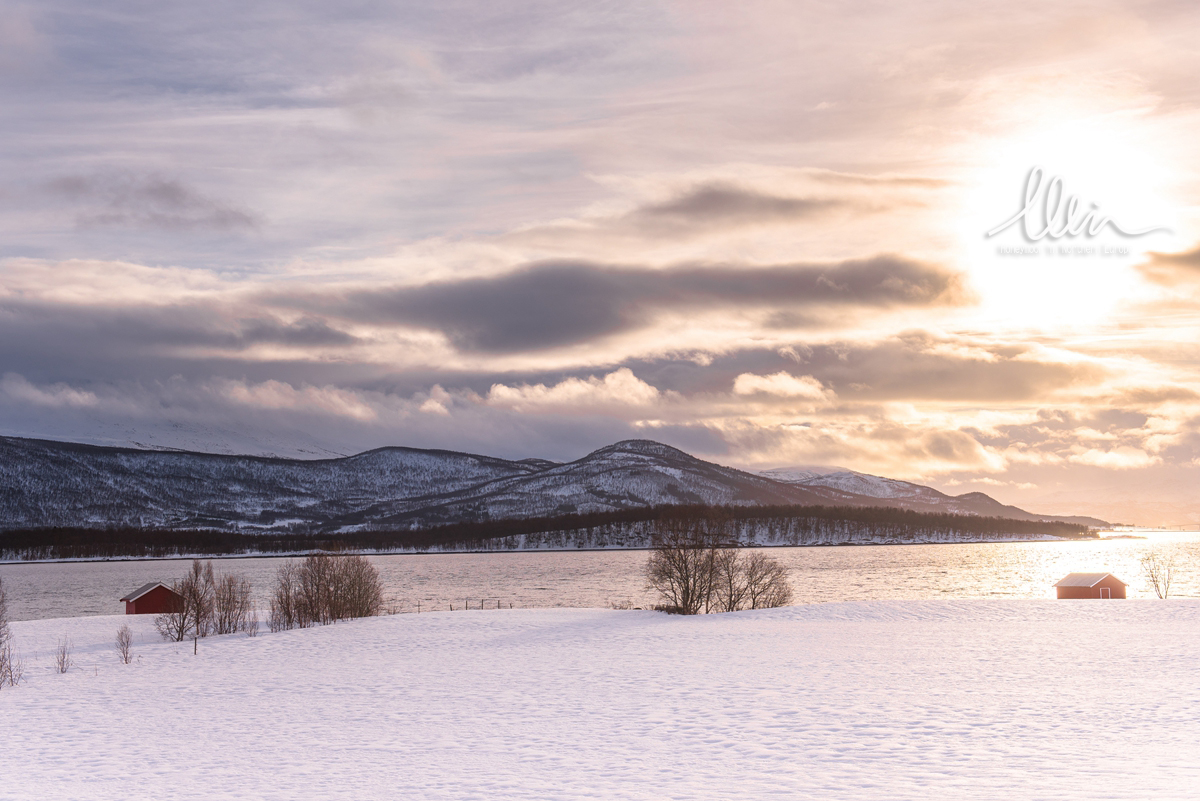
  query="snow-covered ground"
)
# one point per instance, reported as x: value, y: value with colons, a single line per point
x: 871, y: 700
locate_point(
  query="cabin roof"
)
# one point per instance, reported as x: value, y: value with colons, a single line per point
x: 145, y: 588
x: 1087, y: 580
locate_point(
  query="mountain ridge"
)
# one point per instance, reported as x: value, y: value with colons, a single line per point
x: 837, y: 484
x: 55, y: 484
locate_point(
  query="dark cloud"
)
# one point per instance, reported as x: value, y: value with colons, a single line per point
x: 914, y: 367
x: 146, y: 201
x: 46, y: 342
x: 554, y: 304
x: 309, y: 331
x: 726, y: 205
x: 718, y: 206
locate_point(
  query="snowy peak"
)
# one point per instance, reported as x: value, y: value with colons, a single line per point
x: 874, y: 486
x: 849, y: 487
x: 800, y: 473
x: 640, y: 447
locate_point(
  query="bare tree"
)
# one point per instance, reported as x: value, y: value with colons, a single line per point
x: 357, y: 589
x: 125, y: 644
x: 174, y: 623
x: 729, y: 580
x: 232, y: 605
x: 1158, y: 570
x: 63, y: 661
x: 314, y: 598
x: 323, y: 589
x: 5, y: 631
x: 681, y: 568
x: 191, y: 611
x: 199, y: 587
x: 766, y: 580
x: 283, y: 614
x: 11, y: 666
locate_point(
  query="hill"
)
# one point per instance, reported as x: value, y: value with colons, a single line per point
x: 68, y: 485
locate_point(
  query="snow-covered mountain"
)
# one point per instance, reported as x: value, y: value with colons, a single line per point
x: 56, y: 484
x: 841, y: 486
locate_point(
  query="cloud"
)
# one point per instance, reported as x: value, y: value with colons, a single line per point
x: 619, y: 389
x: 1122, y: 458
x: 713, y: 281
x: 16, y: 387
x: 279, y: 395
x: 781, y: 384
x: 724, y: 205
x: 146, y: 201
x: 746, y: 204
x: 1171, y: 269
x: 554, y: 304
x: 912, y: 367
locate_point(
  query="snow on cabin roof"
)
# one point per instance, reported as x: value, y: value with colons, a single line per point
x: 145, y: 588
x: 1087, y: 580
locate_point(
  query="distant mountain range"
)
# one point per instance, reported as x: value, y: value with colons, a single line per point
x: 58, y: 484
x: 840, y: 487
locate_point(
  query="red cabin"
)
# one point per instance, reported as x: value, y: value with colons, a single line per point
x: 152, y: 599
x: 1091, y: 585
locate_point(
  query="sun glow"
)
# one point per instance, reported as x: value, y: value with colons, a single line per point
x: 1108, y: 168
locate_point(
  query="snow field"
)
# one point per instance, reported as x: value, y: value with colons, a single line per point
x: 869, y: 700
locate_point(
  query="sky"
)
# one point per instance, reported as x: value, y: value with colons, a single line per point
x: 758, y: 232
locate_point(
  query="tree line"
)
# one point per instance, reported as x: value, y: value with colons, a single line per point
x: 629, y: 528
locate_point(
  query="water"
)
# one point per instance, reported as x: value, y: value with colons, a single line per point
x: 605, y: 578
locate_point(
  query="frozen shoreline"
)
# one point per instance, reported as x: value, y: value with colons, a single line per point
x: 888, y: 700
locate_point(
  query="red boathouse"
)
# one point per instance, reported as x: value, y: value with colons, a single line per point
x: 151, y: 599
x: 1091, y: 585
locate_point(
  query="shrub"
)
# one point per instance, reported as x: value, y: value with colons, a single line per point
x: 767, y: 585
x: 696, y: 570
x: 1158, y: 570
x: 283, y: 614
x: 324, y: 589
x: 11, y: 667
x: 5, y: 632
x: 63, y: 660
x: 232, y: 604
x: 207, y: 605
x: 125, y: 644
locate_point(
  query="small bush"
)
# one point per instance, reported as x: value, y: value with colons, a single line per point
x: 63, y: 660
x: 125, y: 644
x: 12, y: 668
x: 1158, y: 569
